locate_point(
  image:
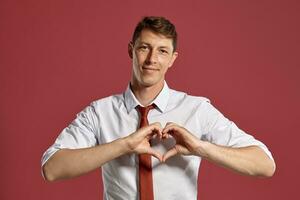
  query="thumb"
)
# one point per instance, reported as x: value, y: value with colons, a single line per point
x: 172, y: 152
x: 154, y: 153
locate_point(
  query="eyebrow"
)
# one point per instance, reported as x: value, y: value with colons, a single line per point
x: 162, y: 47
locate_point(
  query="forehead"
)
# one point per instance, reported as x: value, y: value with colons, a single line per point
x: 154, y: 39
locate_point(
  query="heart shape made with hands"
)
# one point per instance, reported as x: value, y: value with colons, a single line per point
x: 174, y: 138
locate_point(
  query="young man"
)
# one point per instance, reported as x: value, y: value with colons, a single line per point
x: 123, y: 133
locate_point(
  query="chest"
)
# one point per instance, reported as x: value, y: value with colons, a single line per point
x: 120, y: 123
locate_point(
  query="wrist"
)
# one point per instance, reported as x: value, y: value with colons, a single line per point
x: 203, y: 149
x: 127, y: 144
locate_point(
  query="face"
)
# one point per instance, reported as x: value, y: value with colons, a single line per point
x: 152, y: 55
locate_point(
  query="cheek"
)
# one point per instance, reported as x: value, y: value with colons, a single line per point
x: 165, y: 62
x: 136, y: 59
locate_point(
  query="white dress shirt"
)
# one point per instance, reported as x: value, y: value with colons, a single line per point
x: 113, y: 117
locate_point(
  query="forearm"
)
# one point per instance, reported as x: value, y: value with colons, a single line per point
x: 250, y: 160
x: 68, y: 163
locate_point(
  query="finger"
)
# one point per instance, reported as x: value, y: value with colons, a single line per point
x: 168, y: 131
x: 167, y: 135
x: 172, y: 152
x: 155, y: 135
x: 169, y: 124
x: 171, y: 129
x: 154, y: 153
x: 156, y: 129
x: 157, y: 124
x: 150, y: 129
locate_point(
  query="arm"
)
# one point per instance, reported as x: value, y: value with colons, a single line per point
x: 68, y: 163
x: 245, y: 160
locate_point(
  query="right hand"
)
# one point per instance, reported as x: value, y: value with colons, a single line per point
x: 138, y: 142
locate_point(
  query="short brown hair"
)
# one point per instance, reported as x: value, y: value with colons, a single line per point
x: 158, y: 25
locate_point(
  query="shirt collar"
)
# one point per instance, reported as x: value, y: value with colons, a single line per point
x: 160, y: 101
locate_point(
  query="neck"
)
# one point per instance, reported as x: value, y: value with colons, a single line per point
x: 146, y: 94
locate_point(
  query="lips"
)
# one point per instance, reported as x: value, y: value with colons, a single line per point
x: 150, y: 68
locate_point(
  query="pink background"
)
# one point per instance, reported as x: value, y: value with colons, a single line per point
x: 57, y: 56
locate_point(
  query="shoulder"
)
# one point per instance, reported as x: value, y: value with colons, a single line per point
x: 181, y: 96
x: 196, y: 104
x: 107, y: 102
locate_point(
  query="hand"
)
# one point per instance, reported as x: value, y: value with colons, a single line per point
x: 138, y: 141
x: 186, y: 142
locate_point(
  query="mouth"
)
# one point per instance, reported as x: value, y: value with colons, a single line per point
x: 150, y: 69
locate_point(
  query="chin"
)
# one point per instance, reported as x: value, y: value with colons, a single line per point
x: 150, y: 82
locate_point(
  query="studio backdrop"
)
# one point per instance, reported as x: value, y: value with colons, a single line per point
x: 58, y: 56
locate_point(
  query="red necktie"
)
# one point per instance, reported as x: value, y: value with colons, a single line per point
x: 145, y: 166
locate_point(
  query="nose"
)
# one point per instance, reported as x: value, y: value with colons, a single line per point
x: 151, y: 57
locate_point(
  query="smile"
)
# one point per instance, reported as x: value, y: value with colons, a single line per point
x: 149, y: 68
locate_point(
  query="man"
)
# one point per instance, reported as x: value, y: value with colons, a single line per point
x: 120, y: 133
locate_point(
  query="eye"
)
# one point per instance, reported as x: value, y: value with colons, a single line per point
x: 143, y: 48
x: 163, y: 51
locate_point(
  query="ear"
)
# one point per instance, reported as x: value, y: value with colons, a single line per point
x: 174, y: 56
x: 130, y: 49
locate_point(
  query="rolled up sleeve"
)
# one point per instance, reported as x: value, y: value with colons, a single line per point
x: 81, y: 133
x: 221, y: 131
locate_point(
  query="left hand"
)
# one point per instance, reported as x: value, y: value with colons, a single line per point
x: 186, y: 142
x: 250, y: 160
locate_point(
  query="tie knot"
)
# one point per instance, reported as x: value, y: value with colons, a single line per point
x: 145, y: 110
